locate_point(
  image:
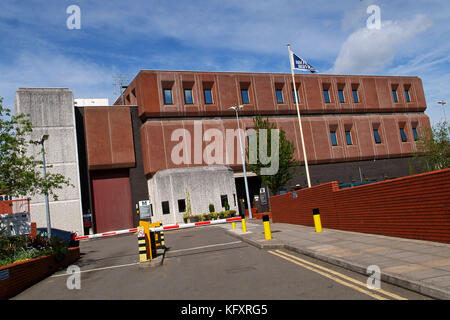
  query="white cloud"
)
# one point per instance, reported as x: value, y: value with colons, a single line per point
x: 371, y: 50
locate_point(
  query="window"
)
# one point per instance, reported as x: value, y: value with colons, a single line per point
x: 326, y: 96
x: 403, y: 135
x: 333, y: 138
x: 188, y: 96
x: 181, y: 205
x: 208, y: 96
x: 348, y: 137
x: 341, y: 96
x: 376, y: 135
x: 223, y: 200
x: 407, y: 97
x: 279, y: 93
x: 415, y: 135
x: 165, y: 207
x: 234, y: 199
x: 293, y: 96
x: 168, y: 96
x: 244, y: 96
x: 394, y: 95
x: 355, y: 96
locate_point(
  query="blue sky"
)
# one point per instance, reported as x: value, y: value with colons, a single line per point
x: 122, y: 37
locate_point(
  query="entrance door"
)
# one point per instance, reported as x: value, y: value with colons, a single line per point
x: 112, y: 200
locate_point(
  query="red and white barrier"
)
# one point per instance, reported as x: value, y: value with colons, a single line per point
x: 194, y: 224
x: 162, y: 228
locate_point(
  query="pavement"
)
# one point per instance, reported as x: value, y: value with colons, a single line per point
x: 416, y: 265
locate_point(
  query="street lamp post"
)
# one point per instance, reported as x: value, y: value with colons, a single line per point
x: 236, y: 108
x: 443, y: 103
x: 47, y: 211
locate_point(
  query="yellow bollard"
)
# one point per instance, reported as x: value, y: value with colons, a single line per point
x: 244, y: 227
x: 266, y: 223
x: 233, y: 225
x: 148, y: 241
x: 142, y: 244
x: 316, y: 217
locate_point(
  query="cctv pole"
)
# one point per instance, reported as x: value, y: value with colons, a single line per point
x: 47, y: 210
x: 243, y: 165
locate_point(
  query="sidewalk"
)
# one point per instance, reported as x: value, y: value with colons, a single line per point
x: 421, y: 266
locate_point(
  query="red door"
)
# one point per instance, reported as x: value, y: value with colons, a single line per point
x: 112, y: 200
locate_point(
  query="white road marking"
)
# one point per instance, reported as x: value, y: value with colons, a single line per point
x: 98, y: 269
x: 202, y: 247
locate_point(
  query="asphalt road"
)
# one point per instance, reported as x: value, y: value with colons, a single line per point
x: 205, y: 263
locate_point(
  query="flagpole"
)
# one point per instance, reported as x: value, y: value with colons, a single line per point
x: 298, y: 115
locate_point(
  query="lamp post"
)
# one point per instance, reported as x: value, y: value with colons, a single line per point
x: 443, y: 103
x: 236, y: 109
x: 47, y: 211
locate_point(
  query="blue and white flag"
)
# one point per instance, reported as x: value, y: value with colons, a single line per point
x: 301, y: 64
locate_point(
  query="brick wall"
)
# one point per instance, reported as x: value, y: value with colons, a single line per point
x: 416, y: 207
x: 16, y: 277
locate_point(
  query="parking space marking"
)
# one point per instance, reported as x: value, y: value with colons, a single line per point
x: 97, y: 269
x: 203, y: 247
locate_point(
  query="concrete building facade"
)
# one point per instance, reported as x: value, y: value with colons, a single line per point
x: 355, y: 128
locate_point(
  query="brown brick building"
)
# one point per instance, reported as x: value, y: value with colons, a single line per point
x: 355, y: 128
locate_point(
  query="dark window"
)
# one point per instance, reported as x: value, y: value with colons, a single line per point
x: 326, y: 96
x: 407, y: 97
x: 376, y: 135
x: 355, y: 96
x: 188, y: 96
x: 333, y: 138
x: 348, y: 137
x: 234, y: 198
x: 415, y: 135
x: 293, y: 96
x: 244, y: 96
x: 279, y: 93
x: 403, y: 135
x: 181, y: 205
x: 394, y: 95
x: 208, y: 96
x: 168, y: 96
x: 341, y: 96
x: 165, y: 207
x: 223, y: 200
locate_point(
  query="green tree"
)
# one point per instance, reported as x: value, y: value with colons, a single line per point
x: 433, y: 148
x: 287, y: 162
x: 20, y: 173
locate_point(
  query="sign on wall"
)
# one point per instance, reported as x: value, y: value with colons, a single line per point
x: 145, y: 209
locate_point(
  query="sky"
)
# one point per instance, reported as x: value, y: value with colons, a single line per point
x: 40, y: 48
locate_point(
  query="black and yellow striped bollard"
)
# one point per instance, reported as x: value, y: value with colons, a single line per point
x: 266, y: 223
x: 142, y: 244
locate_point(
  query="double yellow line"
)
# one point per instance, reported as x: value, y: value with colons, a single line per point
x: 336, y: 276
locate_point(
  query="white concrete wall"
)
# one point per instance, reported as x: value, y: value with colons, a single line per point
x: 205, y: 185
x: 52, y: 112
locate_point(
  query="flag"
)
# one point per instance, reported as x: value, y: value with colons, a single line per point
x: 300, y: 64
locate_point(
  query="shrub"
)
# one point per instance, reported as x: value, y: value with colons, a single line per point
x: 213, y: 215
x: 211, y: 208
x: 226, y: 206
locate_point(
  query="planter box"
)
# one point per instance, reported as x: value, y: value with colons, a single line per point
x: 18, y: 276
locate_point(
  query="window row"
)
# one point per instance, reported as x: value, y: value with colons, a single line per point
x: 355, y: 95
x: 182, y: 204
x: 245, y: 97
x: 376, y: 136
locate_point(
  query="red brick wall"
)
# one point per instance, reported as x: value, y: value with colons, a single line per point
x: 24, y: 274
x: 416, y: 207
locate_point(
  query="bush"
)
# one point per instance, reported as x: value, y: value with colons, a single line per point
x: 226, y: 206
x: 213, y: 215
x: 211, y: 208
